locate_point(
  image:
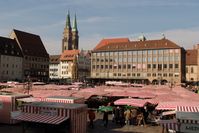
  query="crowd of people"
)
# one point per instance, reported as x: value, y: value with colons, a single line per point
x: 124, y: 116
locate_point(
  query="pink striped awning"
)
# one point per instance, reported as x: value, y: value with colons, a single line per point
x: 170, y: 124
x: 187, y: 109
x: 40, y: 118
x: 130, y: 101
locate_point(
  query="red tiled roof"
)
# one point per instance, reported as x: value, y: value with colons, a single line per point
x: 105, y: 42
x: 138, y: 45
x: 191, y: 57
x: 31, y: 44
x: 69, y: 54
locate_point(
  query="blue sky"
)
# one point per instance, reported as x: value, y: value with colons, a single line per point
x: 98, y: 19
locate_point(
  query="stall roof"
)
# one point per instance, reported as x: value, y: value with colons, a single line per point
x: 40, y: 118
x: 64, y: 97
x: 12, y: 94
x: 57, y: 105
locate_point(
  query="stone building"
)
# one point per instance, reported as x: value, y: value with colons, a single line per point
x: 192, y: 65
x: 11, y: 60
x: 36, y: 58
x: 138, y: 61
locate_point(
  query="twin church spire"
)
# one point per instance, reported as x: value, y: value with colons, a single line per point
x: 70, y: 35
x: 68, y: 24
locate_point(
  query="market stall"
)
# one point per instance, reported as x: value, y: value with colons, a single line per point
x: 53, y: 113
x: 9, y: 105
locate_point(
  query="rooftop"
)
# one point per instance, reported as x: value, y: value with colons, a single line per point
x: 138, y: 45
x: 9, y: 47
x: 63, y: 97
x: 57, y: 105
x: 31, y: 44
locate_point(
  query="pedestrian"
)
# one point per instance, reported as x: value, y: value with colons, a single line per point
x: 105, y: 118
x: 127, y: 115
x: 117, y: 114
x: 91, y: 115
x: 121, y: 116
x: 134, y: 116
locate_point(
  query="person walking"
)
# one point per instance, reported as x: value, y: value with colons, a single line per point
x: 105, y: 118
x: 127, y: 115
x: 91, y: 115
x: 121, y: 116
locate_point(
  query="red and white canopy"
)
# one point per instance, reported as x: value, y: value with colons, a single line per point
x: 170, y: 124
x: 187, y: 108
x: 40, y: 118
x: 130, y: 101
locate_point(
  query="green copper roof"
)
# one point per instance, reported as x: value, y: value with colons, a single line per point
x: 68, y: 21
x: 75, y: 24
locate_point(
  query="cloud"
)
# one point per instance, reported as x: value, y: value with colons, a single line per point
x: 186, y: 38
x: 183, y: 37
x: 95, y: 19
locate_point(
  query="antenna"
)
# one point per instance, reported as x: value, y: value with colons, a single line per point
x: 163, y: 36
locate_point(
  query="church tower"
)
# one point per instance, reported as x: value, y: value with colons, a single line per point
x: 75, y: 36
x: 67, y: 35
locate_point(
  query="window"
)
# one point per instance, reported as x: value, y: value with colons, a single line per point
x: 133, y: 74
x: 154, y: 66
x: 171, y: 58
x: 144, y: 59
x: 134, y: 53
x: 149, y: 51
x: 165, y: 75
x: 144, y: 52
x: 148, y: 66
x: 102, y: 66
x: 176, y: 66
x: 154, y: 74
x: 186, y: 69
x: 119, y: 74
x: 165, y: 58
x: 139, y: 59
x: 176, y: 58
x: 119, y: 66
x: 154, y: 59
x: 129, y: 66
x: 159, y: 66
x: 149, y: 59
x: 124, y: 59
x: 139, y: 52
x: 110, y: 66
x: 128, y: 74
x: 160, y: 59
x: 134, y: 59
x: 106, y: 66
x: 170, y: 65
x: 192, y: 71
x: 138, y: 74
x: 124, y: 66
x: 160, y: 51
x: 148, y: 74
x: 154, y: 51
x: 165, y: 66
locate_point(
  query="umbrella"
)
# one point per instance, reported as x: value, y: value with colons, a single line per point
x: 105, y: 108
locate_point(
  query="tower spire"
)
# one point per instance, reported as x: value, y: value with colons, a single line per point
x: 68, y: 20
x: 75, y: 24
